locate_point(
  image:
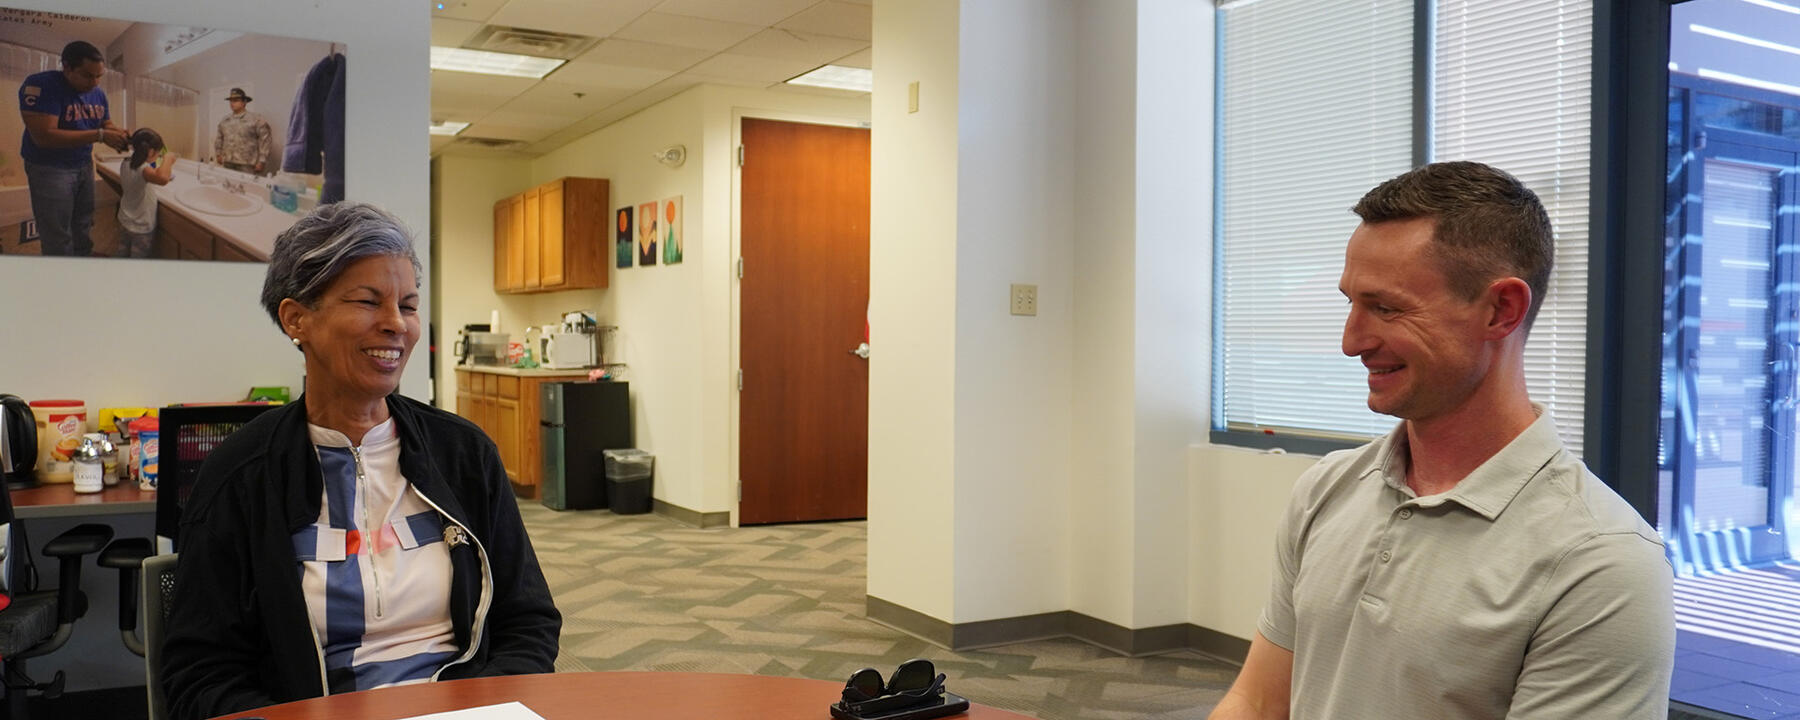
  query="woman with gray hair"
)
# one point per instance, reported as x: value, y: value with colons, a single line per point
x: 354, y: 538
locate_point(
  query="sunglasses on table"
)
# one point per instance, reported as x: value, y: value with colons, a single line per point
x: 914, y: 692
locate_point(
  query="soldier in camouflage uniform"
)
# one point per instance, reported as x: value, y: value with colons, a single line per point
x: 243, y: 142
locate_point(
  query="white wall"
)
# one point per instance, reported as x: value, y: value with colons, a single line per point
x: 1237, y: 497
x: 152, y: 332
x: 1101, y: 459
x: 1172, y: 291
x: 1015, y: 223
x: 913, y: 239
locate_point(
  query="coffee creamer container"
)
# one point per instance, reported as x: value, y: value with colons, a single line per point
x: 60, y: 425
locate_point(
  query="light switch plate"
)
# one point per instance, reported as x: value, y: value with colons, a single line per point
x: 1024, y: 299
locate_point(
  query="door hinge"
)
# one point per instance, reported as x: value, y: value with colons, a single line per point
x: 740, y: 379
x: 740, y: 156
x: 740, y: 491
x: 740, y: 268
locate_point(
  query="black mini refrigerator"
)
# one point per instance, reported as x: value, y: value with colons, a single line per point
x: 579, y: 420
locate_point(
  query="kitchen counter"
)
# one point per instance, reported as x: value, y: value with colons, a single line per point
x: 253, y: 234
x: 526, y: 372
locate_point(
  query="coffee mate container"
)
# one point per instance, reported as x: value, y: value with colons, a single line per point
x: 60, y: 425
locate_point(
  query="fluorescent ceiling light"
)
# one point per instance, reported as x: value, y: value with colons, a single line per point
x: 448, y: 127
x: 1745, y: 39
x: 838, y: 76
x: 491, y: 63
x: 1752, y: 82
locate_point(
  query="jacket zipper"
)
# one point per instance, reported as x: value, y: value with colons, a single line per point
x: 487, y: 586
x: 362, y: 493
x: 324, y: 681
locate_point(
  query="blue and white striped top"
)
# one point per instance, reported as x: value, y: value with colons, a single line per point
x: 375, y: 568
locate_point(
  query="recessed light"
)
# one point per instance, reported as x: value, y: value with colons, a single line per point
x: 841, y: 77
x: 448, y: 127
x: 491, y: 63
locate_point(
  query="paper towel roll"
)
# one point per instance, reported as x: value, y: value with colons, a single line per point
x: 494, y: 321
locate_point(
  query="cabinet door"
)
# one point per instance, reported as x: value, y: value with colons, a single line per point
x: 550, y: 262
x: 502, y: 228
x: 515, y: 242
x: 506, y: 421
x: 533, y: 237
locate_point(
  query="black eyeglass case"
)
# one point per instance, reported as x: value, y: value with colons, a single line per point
x: 883, y: 708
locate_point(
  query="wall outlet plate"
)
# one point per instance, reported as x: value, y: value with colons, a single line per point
x: 1024, y: 299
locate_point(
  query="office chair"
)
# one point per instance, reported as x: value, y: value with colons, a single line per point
x: 34, y: 622
x: 127, y: 556
x: 189, y: 434
x: 159, y: 589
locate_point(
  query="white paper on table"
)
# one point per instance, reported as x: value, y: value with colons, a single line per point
x: 504, y: 711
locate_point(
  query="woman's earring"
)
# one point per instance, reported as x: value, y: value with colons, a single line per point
x: 296, y: 341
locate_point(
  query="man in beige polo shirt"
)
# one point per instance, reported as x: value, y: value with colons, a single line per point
x: 1465, y: 565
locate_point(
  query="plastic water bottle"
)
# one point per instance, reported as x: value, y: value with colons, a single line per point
x: 285, y: 193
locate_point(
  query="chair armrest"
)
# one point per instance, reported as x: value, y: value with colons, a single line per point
x: 83, y: 539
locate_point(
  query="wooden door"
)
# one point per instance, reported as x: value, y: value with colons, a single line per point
x: 515, y: 242
x: 550, y: 228
x: 533, y: 236
x: 803, y: 421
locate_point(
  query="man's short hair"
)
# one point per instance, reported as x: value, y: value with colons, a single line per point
x: 78, y: 53
x: 1488, y: 225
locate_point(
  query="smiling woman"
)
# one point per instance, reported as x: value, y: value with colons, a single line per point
x: 412, y: 562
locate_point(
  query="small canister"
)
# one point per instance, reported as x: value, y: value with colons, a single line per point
x: 89, y: 461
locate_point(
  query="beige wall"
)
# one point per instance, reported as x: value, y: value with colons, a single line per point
x: 463, y: 192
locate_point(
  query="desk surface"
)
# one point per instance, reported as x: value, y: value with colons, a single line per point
x: 50, y: 500
x: 596, y: 696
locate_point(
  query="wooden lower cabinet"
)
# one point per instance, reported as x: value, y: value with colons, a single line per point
x: 506, y: 408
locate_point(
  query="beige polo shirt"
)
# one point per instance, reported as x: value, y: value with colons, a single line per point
x: 1530, y: 590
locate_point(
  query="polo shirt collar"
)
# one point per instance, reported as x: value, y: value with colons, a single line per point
x: 1492, y: 485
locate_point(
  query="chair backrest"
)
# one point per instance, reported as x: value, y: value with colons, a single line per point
x: 188, y: 433
x: 159, y: 589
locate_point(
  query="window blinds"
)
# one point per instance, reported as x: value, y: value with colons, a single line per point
x: 1512, y: 87
x: 1316, y: 108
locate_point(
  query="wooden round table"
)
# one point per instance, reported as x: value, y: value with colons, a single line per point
x: 596, y: 696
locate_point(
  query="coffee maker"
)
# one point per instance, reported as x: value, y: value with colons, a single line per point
x: 18, y: 443
x: 574, y: 344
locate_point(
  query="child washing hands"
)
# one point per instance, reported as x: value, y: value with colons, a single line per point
x: 137, y: 202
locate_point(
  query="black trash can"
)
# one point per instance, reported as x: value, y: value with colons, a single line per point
x: 628, y: 475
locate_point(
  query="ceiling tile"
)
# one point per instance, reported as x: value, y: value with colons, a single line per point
x: 761, y: 12
x: 614, y: 113
x: 631, y: 53
x: 439, y: 142
x: 684, y: 31
x: 580, y: 17
x: 746, y: 70
x: 478, y: 84
x: 810, y: 48
x: 476, y: 10
x: 523, y: 121
x: 502, y: 131
x: 835, y: 18
x: 446, y: 32
x: 558, y: 100
x: 602, y: 75
x: 864, y: 59
x: 815, y: 90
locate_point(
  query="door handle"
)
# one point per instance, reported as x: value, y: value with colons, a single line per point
x: 861, y: 351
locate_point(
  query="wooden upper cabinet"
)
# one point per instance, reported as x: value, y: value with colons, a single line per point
x: 550, y: 234
x: 515, y: 243
x: 534, y: 238
x: 555, y: 238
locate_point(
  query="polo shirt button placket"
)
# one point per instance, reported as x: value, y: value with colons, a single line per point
x: 1405, y: 513
x: 1386, y: 556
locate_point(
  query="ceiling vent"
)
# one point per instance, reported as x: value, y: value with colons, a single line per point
x: 495, y: 143
x: 526, y: 41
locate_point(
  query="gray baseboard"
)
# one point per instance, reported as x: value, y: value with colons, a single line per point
x: 691, y: 518
x: 1066, y: 623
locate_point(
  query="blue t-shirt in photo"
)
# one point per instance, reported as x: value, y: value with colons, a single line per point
x: 50, y: 93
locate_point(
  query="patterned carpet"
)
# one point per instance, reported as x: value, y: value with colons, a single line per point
x: 643, y: 592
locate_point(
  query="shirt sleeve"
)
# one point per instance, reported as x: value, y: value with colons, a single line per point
x: 265, y: 142
x: 1277, y: 620
x: 38, y: 99
x: 1606, y: 645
